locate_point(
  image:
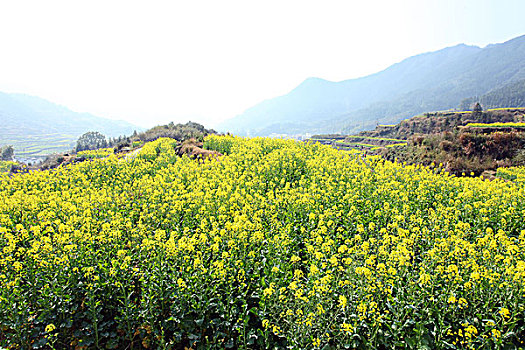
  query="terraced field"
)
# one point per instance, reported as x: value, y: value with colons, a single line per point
x: 37, y: 146
x: 356, y: 142
x: 497, y: 125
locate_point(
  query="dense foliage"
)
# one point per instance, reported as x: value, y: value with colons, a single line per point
x: 178, y: 132
x: 7, y: 153
x: 276, y: 244
x: 510, y: 95
x: 470, y: 150
x: 90, y: 141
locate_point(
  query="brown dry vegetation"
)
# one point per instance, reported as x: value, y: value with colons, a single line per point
x: 463, y: 151
x: 193, y: 149
x: 443, y: 138
x: 433, y: 123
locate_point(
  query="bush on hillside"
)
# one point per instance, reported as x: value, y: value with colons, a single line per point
x: 178, y: 132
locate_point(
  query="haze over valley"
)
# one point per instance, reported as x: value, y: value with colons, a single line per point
x: 36, y: 127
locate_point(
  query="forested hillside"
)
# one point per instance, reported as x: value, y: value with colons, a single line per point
x: 433, y: 81
x: 510, y: 95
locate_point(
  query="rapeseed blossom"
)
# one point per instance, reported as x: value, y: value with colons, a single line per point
x: 274, y: 244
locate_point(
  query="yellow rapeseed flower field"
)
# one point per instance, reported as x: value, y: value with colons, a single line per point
x: 6, y: 165
x: 275, y: 245
x: 98, y: 153
x: 516, y: 174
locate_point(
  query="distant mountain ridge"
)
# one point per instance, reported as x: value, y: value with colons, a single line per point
x: 427, y: 82
x: 35, y: 126
x: 510, y: 95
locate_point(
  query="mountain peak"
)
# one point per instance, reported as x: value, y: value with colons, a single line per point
x: 315, y: 80
x: 429, y: 81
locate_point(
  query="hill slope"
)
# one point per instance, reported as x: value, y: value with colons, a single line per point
x: 510, y: 95
x: 35, y: 126
x: 464, y: 142
x: 431, y: 81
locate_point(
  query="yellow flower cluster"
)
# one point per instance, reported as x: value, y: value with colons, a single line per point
x: 275, y: 244
x: 516, y: 174
x: 496, y: 125
x: 97, y: 153
x: 6, y: 165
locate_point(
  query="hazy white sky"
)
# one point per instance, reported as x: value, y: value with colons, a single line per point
x: 151, y: 62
